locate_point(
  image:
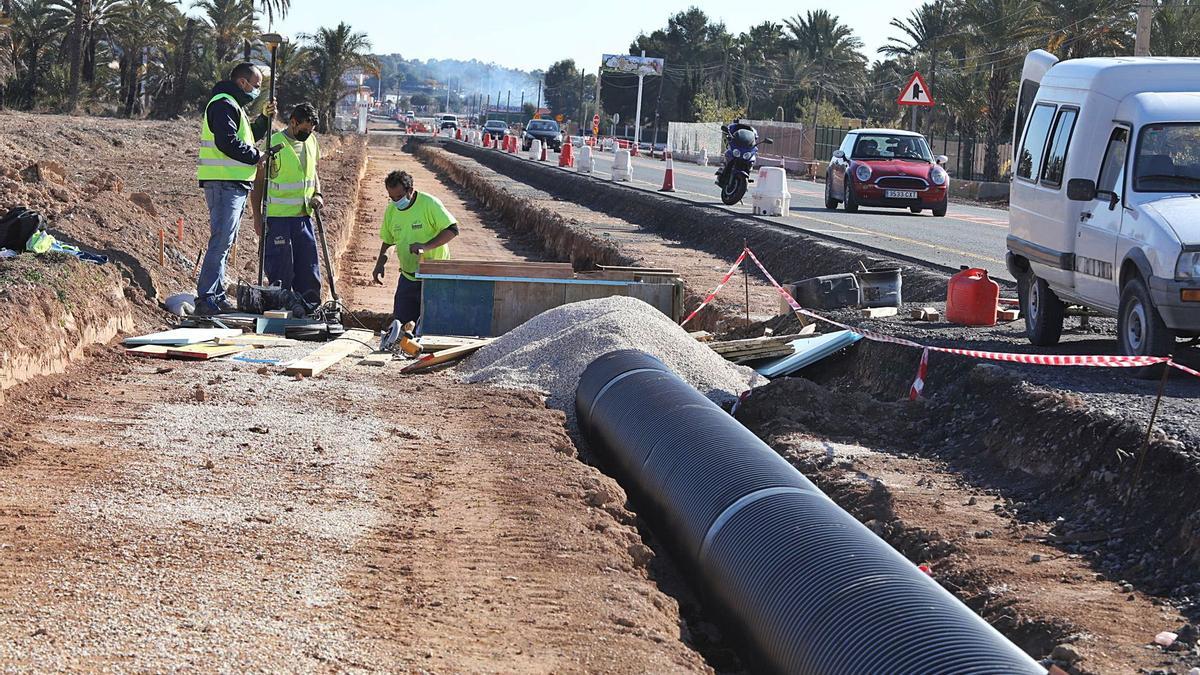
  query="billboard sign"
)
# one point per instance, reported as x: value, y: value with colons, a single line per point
x: 632, y: 65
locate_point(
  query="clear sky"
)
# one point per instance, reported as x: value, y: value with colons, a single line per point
x: 531, y: 35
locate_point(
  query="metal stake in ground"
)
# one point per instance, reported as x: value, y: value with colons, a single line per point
x: 272, y: 40
x: 325, y: 256
x: 1137, y: 473
x: 746, y: 277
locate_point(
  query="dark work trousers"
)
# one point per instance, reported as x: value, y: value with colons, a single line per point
x: 291, y: 257
x: 407, y: 304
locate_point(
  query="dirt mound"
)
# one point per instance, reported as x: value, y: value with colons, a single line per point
x: 550, y: 351
x: 113, y: 186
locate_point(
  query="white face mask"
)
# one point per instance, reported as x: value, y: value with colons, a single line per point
x: 402, y: 203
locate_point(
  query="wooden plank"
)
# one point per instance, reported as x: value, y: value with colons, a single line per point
x: 330, y: 353
x: 628, y: 268
x: 148, y: 351
x: 488, y: 268
x: 1008, y: 314
x: 278, y: 314
x: 183, y: 336
x: 878, y: 312
x: 516, y: 302
x: 444, y: 356
x: 701, y: 336
x: 205, y: 352
x: 749, y: 343
x: 926, y: 314
x: 436, y: 343
x: 255, y: 340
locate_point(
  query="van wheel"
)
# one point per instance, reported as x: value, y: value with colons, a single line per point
x: 1140, y: 329
x: 848, y: 197
x: 1043, y: 311
x: 830, y: 202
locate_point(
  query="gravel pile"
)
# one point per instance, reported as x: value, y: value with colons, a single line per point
x: 550, y: 351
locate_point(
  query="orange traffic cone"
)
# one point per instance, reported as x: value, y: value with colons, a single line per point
x: 633, y: 149
x: 543, y: 157
x: 669, y: 176
x: 457, y: 134
x: 566, y: 156
x: 487, y: 140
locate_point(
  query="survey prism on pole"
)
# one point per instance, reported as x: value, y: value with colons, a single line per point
x: 916, y: 92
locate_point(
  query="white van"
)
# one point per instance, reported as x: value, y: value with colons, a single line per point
x: 1105, y: 202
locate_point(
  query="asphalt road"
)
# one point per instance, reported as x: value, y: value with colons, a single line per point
x: 967, y: 235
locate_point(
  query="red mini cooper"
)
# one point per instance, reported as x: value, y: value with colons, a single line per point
x: 886, y: 167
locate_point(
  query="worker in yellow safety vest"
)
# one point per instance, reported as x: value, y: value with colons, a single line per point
x: 293, y: 194
x: 225, y: 168
x: 420, y: 227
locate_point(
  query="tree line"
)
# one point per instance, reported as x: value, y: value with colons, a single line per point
x: 812, y: 68
x: 148, y: 58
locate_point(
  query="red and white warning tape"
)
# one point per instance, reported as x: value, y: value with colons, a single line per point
x: 724, y: 280
x: 1094, y: 360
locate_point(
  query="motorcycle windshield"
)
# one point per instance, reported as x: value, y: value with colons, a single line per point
x: 743, y: 138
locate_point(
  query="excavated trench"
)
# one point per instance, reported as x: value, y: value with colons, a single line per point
x: 1046, y: 456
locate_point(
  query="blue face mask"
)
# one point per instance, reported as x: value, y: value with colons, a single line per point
x: 254, y: 93
x: 402, y: 203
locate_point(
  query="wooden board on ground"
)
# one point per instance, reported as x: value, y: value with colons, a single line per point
x: 926, y: 314
x: 253, y: 340
x: 878, y: 312
x: 148, y: 351
x: 205, y: 352
x: 701, y: 336
x: 330, y: 353
x: 436, y: 343
x: 444, y: 356
x: 749, y: 344
x: 183, y: 336
x: 488, y: 268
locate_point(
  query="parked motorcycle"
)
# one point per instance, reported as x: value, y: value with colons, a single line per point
x: 734, y: 176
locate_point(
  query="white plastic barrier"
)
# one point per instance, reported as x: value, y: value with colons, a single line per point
x: 535, y: 150
x: 703, y: 161
x: 585, y: 163
x: 622, y: 167
x: 771, y: 196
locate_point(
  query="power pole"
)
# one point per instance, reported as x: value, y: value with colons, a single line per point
x: 1145, y: 17
x: 539, y: 103
x: 508, y: 106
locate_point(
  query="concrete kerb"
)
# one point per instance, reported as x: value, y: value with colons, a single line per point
x: 790, y: 252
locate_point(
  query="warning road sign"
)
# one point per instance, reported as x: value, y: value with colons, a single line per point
x: 916, y: 92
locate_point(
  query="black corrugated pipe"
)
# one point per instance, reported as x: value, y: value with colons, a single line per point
x: 810, y: 588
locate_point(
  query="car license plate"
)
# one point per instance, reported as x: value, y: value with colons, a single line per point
x: 900, y: 194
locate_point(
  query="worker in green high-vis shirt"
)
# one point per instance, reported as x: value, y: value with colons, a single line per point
x: 420, y: 228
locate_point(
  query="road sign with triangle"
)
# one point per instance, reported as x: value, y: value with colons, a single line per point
x: 916, y: 92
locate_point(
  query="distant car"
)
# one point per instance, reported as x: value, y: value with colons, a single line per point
x: 496, y: 128
x: 888, y: 168
x: 410, y: 115
x: 546, y: 131
x: 448, y: 122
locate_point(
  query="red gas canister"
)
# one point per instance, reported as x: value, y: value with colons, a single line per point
x: 972, y: 298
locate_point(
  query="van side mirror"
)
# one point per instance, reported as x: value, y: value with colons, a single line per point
x: 941, y: 160
x: 1081, y: 189
x: 838, y: 154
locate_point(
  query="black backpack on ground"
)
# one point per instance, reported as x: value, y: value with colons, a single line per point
x: 17, y: 226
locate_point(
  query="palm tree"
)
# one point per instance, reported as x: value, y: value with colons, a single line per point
x: 140, y: 33
x: 1081, y: 28
x: 334, y: 52
x: 832, y: 49
x: 926, y: 32
x: 36, y: 26
x: 1000, y: 31
x: 230, y: 23
x: 274, y: 7
x: 1176, y: 29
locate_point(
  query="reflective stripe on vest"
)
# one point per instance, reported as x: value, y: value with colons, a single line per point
x: 216, y: 165
x: 292, y: 186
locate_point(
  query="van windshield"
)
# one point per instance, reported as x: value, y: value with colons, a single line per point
x: 1168, y: 158
x: 888, y: 146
